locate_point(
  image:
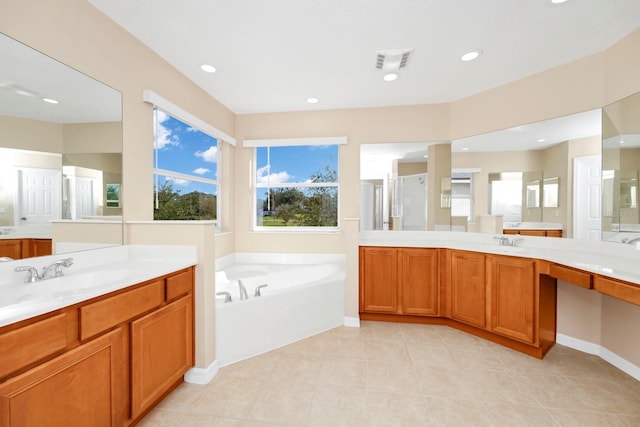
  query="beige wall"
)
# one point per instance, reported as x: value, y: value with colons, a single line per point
x: 75, y: 33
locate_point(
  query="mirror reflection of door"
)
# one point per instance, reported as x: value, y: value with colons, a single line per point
x: 38, y: 196
x: 587, y: 212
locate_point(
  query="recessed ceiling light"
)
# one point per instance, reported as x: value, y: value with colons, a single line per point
x: 389, y: 77
x: 208, y: 68
x: 465, y: 148
x: 558, y: 1
x: 312, y: 100
x: 541, y: 140
x: 426, y: 156
x: 470, y: 56
x: 50, y: 101
x: 622, y: 141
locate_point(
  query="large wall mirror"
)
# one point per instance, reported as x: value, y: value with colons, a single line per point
x: 620, y: 166
x: 60, y: 144
x: 401, y: 186
x: 528, y: 179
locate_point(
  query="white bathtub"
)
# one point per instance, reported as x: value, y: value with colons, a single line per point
x: 304, y: 296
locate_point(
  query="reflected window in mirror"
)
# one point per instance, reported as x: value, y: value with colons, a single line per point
x: 113, y: 195
x: 550, y: 192
x: 461, y: 194
x: 186, y: 171
x: 505, y: 198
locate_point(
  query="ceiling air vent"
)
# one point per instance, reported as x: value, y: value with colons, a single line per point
x: 392, y: 60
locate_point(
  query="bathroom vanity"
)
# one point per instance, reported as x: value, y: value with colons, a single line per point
x: 506, y: 294
x: 108, y: 353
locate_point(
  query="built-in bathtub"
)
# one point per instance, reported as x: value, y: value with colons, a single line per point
x: 304, y: 296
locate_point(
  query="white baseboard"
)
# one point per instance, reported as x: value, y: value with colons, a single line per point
x: 202, y: 375
x: 604, y: 353
x: 352, y: 322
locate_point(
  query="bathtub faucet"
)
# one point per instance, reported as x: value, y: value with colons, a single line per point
x: 243, y: 291
x: 226, y: 295
x: 257, y: 293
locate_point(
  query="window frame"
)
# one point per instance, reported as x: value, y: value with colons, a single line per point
x: 256, y: 187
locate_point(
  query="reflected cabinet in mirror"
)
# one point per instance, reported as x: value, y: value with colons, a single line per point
x: 401, y: 186
x: 60, y: 146
x: 524, y: 180
x: 620, y: 165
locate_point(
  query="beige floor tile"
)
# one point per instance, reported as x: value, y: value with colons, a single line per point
x: 452, y: 412
x: 312, y: 346
x: 421, y: 333
x: 396, y: 410
x: 450, y: 383
x: 428, y: 354
x: 627, y: 421
x: 568, y: 418
x: 337, y: 406
x: 386, y: 331
x: 192, y: 420
x: 507, y: 414
x: 347, y: 332
x: 610, y: 395
x: 162, y: 418
x: 451, y: 336
x: 283, y: 402
x: 337, y: 346
x: 300, y: 368
x: 228, y: 397
x: 253, y: 367
x: 484, y: 358
x: 386, y: 350
x: 553, y: 392
x: 392, y: 377
x: 183, y: 397
x: 344, y: 372
x: 499, y: 387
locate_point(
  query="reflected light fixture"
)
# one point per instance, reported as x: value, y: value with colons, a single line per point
x: 208, y: 68
x: 541, y: 140
x: 470, y: 56
x: 50, y: 101
x: 558, y: 1
x: 389, y: 77
x: 465, y: 148
x: 312, y: 100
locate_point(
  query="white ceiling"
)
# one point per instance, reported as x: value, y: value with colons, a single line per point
x: 273, y: 55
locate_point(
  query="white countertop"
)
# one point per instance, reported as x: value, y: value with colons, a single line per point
x: 531, y: 226
x: 25, y: 232
x: 93, y: 273
x: 617, y: 260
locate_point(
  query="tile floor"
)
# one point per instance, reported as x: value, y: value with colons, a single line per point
x: 391, y: 374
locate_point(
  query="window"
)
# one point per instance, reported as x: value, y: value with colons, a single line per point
x: 113, y: 195
x: 296, y: 186
x: 461, y: 194
x: 185, y: 171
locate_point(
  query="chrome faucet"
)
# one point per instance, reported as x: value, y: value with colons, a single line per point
x: 506, y: 241
x: 33, y: 275
x: 227, y: 296
x: 243, y: 291
x: 257, y: 292
x: 5, y: 259
x: 56, y: 266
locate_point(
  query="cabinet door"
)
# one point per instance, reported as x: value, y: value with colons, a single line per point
x: 12, y: 248
x: 82, y: 387
x: 40, y: 247
x: 161, y: 352
x: 468, y: 288
x: 420, y: 283
x: 379, y: 279
x: 512, y: 297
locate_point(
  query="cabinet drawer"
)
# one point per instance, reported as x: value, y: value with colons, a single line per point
x: 570, y: 275
x: 31, y: 343
x: 179, y: 284
x: 617, y: 289
x: 109, y: 312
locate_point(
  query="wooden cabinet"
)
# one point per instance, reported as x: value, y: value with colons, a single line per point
x: 399, y: 281
x: 468, y: 288
x: 161, y: 352
x: 509, y: 300
x: 24, y: 248
x: 620, y: 289
x: 379, y: 279
x: 420, y: 284
x: 107, y: 360
x: 81, y: 387
x: 533, y: 232
x: 512, y: 297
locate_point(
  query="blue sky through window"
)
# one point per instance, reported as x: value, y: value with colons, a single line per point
x: 294, y: 164
x: 186, y: 150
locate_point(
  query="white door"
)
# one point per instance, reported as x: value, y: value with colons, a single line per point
x: 587, y: 212
x: 84, y: 198
x: 39, y: 196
